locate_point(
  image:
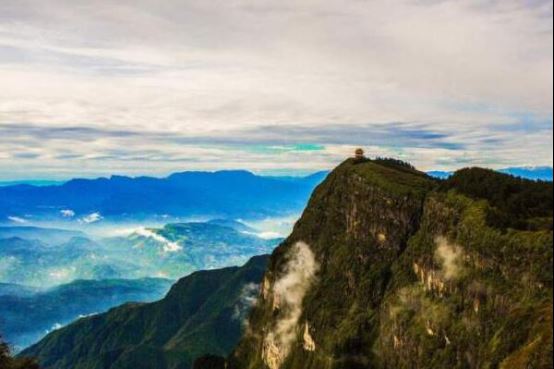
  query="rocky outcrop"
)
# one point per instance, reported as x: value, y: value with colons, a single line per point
x: 407, y: 277
x: 357, y: 224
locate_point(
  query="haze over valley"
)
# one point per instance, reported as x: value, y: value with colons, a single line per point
x: 83, y: 247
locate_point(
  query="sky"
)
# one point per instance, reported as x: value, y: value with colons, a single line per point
x: 90, y: 88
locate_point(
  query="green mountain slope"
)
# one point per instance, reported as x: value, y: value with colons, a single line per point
x: 390, y: 269
x: 202, y: 313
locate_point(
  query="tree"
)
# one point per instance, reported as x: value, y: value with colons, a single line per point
x: 8, y: 362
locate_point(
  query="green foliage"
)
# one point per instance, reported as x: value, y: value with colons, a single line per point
x: 357, y: 223
x: 515, y: 202
x: 493, y: 308
x: 413, y: 276
x: 202, y: 314
x: 395, y: 163
x: 8, y: 362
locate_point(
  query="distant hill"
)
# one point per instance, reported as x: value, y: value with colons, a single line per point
x: 35, y: 263
x: 178, y: 249
x: 172, y: 251
x: 17, y: 290
x: 25, y: 318
x: 541, y: 173
x: 225, y: 194
x: 203, y: 313
x: 535, y: 173
x: 37, y: 182
x: 51, y: 236
x: 234, y: 224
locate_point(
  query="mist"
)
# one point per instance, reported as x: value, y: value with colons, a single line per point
x: 450, y: 257
x: 288, y: 295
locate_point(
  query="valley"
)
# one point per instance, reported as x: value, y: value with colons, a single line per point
x: 50, y: 277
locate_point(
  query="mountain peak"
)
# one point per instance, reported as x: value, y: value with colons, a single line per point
x: 401, y: 265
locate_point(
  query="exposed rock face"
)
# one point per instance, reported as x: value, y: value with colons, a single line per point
x: 408, y: 277
x: 356, y: 226
x: 462, y: 302
x: 288, y: 293
x: 309, y: 343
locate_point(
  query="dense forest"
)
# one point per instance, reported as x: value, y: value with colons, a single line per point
x: 515, y: 202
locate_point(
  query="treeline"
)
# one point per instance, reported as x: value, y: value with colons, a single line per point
x: 394, y: 163
x: 9, y: 362
x: 516, y: 202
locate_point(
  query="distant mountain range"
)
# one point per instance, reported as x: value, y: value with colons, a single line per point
x: 17, y: 290
x: 31, y: 183
x: 27, y: 315
x: 52, y: 236
x: 96, y: 275
x: 535, y: 173
x: 45, y: 257
x: 225, y: 194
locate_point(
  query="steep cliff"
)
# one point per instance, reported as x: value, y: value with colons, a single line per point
x: 388, y: 269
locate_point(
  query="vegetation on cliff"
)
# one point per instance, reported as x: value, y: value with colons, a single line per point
x: 414, y: 273
x: 514, y: 202
x: 387, y: 269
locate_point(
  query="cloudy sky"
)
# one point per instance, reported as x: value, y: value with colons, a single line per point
x: 149, y: 87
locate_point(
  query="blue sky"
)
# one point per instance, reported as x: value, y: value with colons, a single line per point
x: 143, y: 87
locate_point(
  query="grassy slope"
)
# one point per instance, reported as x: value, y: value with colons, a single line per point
x: 195, y: 318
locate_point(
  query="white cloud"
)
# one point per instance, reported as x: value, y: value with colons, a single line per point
x: 61, y: 275
x: 167, y: 246
x: 466, y: 69
x: 269, y: 235
x: 247, y: 299
x: 55, y: 327
x: 289, y: 291
x: 67, y: 213
x: 19, y: 220
x: 91, y: 218
x: 450, y: 257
